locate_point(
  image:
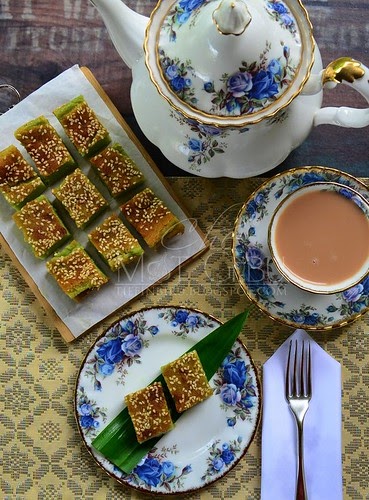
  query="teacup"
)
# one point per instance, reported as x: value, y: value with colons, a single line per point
x: 319, y: 237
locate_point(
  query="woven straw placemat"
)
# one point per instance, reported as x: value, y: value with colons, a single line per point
x: 42, y: 455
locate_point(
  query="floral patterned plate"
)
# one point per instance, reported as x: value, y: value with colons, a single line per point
x: 209, y: 439
x: 259, y: 277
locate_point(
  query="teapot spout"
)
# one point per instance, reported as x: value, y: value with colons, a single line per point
x: 125, y: 27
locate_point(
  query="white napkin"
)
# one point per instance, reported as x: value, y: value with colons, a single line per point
x: 322, y: 429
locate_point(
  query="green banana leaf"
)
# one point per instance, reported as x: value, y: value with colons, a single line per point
x: 117, y: 441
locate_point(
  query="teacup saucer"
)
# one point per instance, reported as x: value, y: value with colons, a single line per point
x: 260, y: 279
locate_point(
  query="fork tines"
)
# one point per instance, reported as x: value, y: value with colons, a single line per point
x: 298, y: 370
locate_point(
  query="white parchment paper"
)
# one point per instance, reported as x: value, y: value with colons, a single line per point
x: 128, y: 283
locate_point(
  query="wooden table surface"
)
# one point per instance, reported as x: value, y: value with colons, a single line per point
x: 39, y: 39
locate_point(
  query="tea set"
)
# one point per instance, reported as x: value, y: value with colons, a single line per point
x: 237, y: 108
x: 242, y: 103
x: 258, y: 265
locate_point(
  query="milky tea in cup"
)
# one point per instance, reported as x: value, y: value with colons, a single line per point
x: 319, y: 237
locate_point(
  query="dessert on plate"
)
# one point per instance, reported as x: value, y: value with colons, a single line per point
x: 186, y: 381
x: 149, y: 412
x: 151, y: 218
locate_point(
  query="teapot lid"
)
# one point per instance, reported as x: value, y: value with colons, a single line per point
x: 229, y: 61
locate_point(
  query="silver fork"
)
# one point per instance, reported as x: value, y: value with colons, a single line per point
x: 298, y: 394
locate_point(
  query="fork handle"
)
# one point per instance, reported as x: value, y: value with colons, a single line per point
x: 301, y: 485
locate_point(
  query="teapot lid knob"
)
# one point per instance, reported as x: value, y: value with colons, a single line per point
x: 232, y: 17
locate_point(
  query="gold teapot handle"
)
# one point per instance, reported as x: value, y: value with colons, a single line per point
x: 349, y: 72
x: 342, y: 70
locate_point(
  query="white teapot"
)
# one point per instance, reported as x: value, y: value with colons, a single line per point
x: 229, y: 87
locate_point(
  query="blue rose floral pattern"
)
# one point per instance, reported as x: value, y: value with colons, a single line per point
x: 183, y: 11
x: 355, y: 300
x: 257, y: 207
x: 235, y: 385
x: 221, y: 456
x: 281, y: 14
x: 178, y: 74
x: 305, y: 316
x: 253, y: 86
x: 132, y: 347
x: 90, y: 415
x: 120, y: 348
x: 250, y: 88
x: 256, y: 269
x: 258, y: 275
x: 184, y: 321
x: 203, y: 143
x: 157, y: 471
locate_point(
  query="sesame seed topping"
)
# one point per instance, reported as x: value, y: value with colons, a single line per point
x: 114, y: 242
x: 17, y: 194
x: 75, y: 270
x: 45, y: 147
x: 149, y: 412
x: 116, y: 169
x: 14, y: 169
x: 186, y: 381
x: 83, y: 127
x: 41, y: 227
x: 80, y: 197
x: 150, y: 217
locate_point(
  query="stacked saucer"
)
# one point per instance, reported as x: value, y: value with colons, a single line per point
x: 264, y: 277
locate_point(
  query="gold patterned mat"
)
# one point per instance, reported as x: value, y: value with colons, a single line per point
x: 42, y: 455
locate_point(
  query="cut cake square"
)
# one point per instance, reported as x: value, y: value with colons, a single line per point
x: 149, y: 412
x: 115, y: 243
x: 46, y: 148
x: 75, y: 271
x: 19, y: 182
x: 80, y: 198
x: 117, y: 170
x: 151, y: 218
x: 84, y: 129
x: 186, y: 381
x: 20, y: 194
x: 42, y: 228
x: 14, y: 169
